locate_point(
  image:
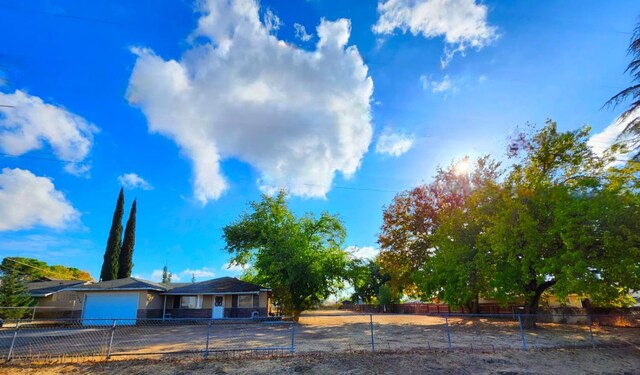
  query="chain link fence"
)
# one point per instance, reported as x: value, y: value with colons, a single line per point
x: 66, y: 339
x: 61, y: 339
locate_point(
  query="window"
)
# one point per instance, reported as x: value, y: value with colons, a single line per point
x: 245, y: 301
x: 191, y: 302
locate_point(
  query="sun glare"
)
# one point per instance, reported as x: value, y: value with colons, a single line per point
x: 462, y: 167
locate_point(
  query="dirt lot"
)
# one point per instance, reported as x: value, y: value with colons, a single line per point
x: 315, y: 332
x: 551, y: 361
x: 327, y: 331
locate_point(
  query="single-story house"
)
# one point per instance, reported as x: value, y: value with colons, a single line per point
x: 53, y: 299
x: 132, y: 298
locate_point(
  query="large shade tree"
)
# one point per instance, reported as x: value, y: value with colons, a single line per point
x: 366, y: 278
x: 410, y: 221
x: 300, y: 258
x: 459, y: 270
x: 555, y: 225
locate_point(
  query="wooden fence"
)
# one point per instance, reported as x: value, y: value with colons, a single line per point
x: 428, y: 308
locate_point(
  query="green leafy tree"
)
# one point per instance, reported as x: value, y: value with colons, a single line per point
x: 125, y: 260
x: 459, y: 269
x: 386, y: 297
x: 34, y: 269
x: 13, y: 292
x: 300, y: 258
x: 410, y: 221
x: 566, y: 220
x: 112, y: 252
x: 632, y: 130
x: 366, y: 277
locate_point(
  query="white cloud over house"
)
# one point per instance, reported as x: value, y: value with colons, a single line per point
x: 298, y: 117
x: 133, y: 181
x: 393, y: 143
x: 462, y: 23
x: 27, y: 123
x: 204, y: 272
x: 28, y: 201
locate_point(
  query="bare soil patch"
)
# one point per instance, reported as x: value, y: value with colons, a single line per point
x: 574, y: 361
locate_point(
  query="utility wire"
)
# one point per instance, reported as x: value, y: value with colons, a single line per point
x: 38, y: 268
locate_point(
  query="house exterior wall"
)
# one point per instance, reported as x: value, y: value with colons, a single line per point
x: 58, y: 305
x: 230, y: 303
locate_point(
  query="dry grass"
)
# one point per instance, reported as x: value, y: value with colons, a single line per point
x: 584, y: 361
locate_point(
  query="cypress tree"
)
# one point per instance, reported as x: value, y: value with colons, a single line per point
x: 112, y: 253
x: 166, y: 275
x: 125, y: 261
x: 13, y: 293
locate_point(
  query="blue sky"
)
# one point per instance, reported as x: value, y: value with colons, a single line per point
x: 197, y: 108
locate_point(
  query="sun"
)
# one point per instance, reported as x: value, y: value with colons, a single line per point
x: 462, y: 167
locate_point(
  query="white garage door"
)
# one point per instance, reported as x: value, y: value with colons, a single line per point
x: 102, y: 309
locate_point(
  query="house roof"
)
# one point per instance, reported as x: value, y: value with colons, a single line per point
x: 221, y: 285
x: 44, y: 288
x: 129, y: 283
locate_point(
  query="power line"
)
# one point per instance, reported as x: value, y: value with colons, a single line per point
x: 7, y: 106
x: 38, y: 268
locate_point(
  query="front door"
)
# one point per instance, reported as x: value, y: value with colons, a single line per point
x: 218, y: 307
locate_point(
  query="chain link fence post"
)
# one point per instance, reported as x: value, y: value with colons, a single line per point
x: 113, y: 330
x: 446, y: 325
x: 593, y: 343
x: 206, y: 348
x: 373, y: 344
x: 13, y: 341
x: 293, y: 336
x: 524, y: 342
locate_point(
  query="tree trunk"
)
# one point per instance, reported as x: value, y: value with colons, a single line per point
x: 531, y: 304
x: 473, y: 305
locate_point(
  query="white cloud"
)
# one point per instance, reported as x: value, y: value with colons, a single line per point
x: 446, y: 85
x: 298, y: 117
x: 301, y: 32
x: 133, y: 181
x: 366, y: 252
x: 203, y: 272
x: 462, y: 23
x: 156, y: 276
x: 27, y: 200
x: 393, y: 143
x: 31, y: 123
x: 272, y: 21
x: 483, y: 78
x: 602, y: 141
